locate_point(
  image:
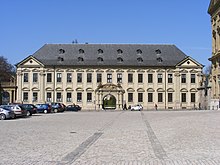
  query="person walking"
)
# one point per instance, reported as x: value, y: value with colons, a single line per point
x: 155, y: 107
x: 125, y: 107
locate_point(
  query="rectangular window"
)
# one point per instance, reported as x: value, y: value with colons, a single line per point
x: 99, y: 77
x: 25, y: 77
x: 79, y: 97
x: 170, y: 97
x: 140, y: 97
x: 59, y: 97
x: 35, y: 77
x: 69, y: 97
x: 79, y: 77
x: 59, y: 77
x: 49, y: 77
x: 159, y: 78
x: 89, y: 77
x: 150, y: 97
x: 193, y: 97
x: 34, y: 99
x: 49, y: 97
x: 89, y: 97
x: 183, y: 78
x: 140, y: 78
x: 170, y: 78
x: 150, y: 78
x: 119, y: 78
x: 183, y: 97
x: 109, y: 78
x: 160, y: 97
x: 130, y: 97
x: 130, y: 78
x: 69, y: 77
x: 218, y: 59
x: 193, y: 78
x: 25, y: 96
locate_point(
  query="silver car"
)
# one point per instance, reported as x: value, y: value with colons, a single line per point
x: 18, y: 110
x: 137, y: 107
x: 6, y: 113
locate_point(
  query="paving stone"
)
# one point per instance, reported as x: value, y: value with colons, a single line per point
x: 120, y: 137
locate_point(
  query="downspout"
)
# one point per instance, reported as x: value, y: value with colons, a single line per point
x: 21, y: 91
x: 54, y: 83
x: 166, y: 88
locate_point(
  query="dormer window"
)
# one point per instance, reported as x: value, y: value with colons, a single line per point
x: 139, y: 59
x: 119, y: 51
x: 60, y: 59
x: 139, y: 51
x: 159, y: 59
x: 120, y: 59
x: 100, y: 59
x: 80, y: 59
x: 61, y: 51
x: 81, y: 51
x: 100, y: 51
x: 158, y: 51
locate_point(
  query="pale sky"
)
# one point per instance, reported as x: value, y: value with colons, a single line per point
x: 26, y: 25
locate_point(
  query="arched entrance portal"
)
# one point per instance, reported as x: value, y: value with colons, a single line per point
x: 109, y: 96
x: 5, y: 97
x: 109, y: 102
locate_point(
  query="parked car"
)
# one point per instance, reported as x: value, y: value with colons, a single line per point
x: 18, y: 109
x: 57, y: 107
x: 6, y: 113
x: 137, y: 107
x: 31, y: 109
x: 44, y: 108
x: 73, y: 108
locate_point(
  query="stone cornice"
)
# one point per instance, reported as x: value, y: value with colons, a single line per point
x: 213, y: 7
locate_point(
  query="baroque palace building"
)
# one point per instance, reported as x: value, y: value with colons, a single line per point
x: 108, y: 76
x: 214, y: 11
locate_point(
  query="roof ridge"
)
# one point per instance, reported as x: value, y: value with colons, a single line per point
x: 110, y: 44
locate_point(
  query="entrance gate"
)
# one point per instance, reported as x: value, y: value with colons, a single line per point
x: 109, y: 102
x: 109, y: 96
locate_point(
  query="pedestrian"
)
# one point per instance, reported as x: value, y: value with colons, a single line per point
x: 155, y: 106
x: 125, y: 107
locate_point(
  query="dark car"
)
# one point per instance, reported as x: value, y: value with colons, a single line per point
x: 44, y: 108
x: 31, y: 109
x: 58, y: 107
x: 73, y: 108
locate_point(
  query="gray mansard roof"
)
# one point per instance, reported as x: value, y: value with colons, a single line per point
x: 109, y: 55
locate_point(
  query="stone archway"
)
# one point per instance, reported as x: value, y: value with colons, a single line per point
x: 109, y: 96
x: 109, y: 102
x: 5, y: 97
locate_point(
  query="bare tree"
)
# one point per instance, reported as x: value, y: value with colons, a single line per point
x: 6, y: 69
x: 208, y: 70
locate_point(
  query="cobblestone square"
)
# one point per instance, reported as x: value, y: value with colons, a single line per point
x: 113, y: 137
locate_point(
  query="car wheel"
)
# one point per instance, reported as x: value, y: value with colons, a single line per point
x: 45, y: 111
x: 2, y: 117
x: 13, y: 116
x: 55, y: 110
x: 28, y: 113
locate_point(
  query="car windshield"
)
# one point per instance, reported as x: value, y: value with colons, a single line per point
x: 7, y: 108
